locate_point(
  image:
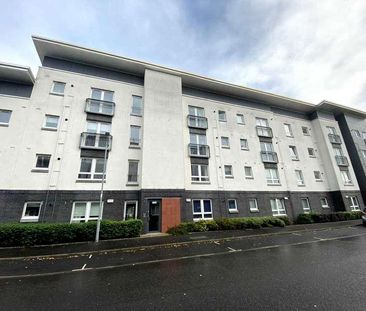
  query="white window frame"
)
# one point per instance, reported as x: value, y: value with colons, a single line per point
x: 300, y: 178
x: 357, y: 133
x: 43, y: 168
x: 354, y: 204
x: 99, y: 127
x: 53, y: 88
x: 307, y: 130
x: 244, y: 144
x: 280, y: 207
x: 251, y: 176
x: 311, y: 155
x: 306, y: 210
x: 133, y: 182
x: 347, y: 180
x: 133, y: 142
x: 92, y: 172
x: 31, y: 218
x: 326, y: 205
x: 200, y: 178
x: 87, y: 212
x: 103, y: 92
x: 363, y: 151
x: 255, y: 203
x: 231, y: 169
x: 272, y: 180
x: 261, y: 122
x: 240, y: 119
x: 10, y: 113
x: 288, y: 130
x: 136, y: 113
x: 125, y: 208
x: 293, y: 153
x: 222, y: 115
x: 196, y: 111
x: 227, y: 139
x: 202, y: 213
x: 364, y: 135
x: 320, y: 176
x: 232, y: 210
x: 50, y: 127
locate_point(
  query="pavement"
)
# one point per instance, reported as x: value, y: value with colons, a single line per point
x: 320, y: 266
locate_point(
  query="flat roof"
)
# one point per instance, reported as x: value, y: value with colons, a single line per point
x: 16, y: 73
x: 62, y: 50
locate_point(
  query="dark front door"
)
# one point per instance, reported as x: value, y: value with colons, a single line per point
x: 154, y: 215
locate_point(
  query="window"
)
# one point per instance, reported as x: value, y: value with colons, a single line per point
x: 136, y: 105
x: 58, y: 88
x: 305, y: 205
x: 91, y: 168
x: 363, y: 153
x: 353, y: 203
x: 318, y: 176
x: 222, y: 116
x: 324, y: 202
x: 364, y: 135
x: 338, y: 151
x: 331, y: 130
x: 85, y: 211
x: 311, y: 152
x: 5, y: 117
x: 300, y: 178
x: 43, y: 161
x: 248, y: 172
x: 133, y: 166
x: 261, y: 122
x: 267, y: 147
x: 199, y: 173
x: 51, y: 122
x: 198, y: 139
x: 97, y: 135
x: 130, y: 210
x: 272, y: 176
x: 102, y: 95
x: 196, y: 111
x: 135, y: 135
x: 278, y: 207
x: 240, y: 118
x: 253, y: 205
x: 202, y: 209
x: 225, y: 142
x: 288, y: 130
x: 357, y: 133
x: 228, y: 171
x: 232, y: 206
x: 244, y: 144
x: 305, y: 130
x: 293, y: 153
x: 98, y: 127
x: 346, y: 177
x: 31, y: 212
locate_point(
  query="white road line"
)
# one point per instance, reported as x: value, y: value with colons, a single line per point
x: 90, y: 256
x: 320, y: 239
x: 217, y: 242
x: 296, y: 234
x: 231, y: 249
x: 83, y: 267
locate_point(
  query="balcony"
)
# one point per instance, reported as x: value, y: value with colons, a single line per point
x: 264, y: 131
x: 199, y: 151
x: 95, y: 141
x: 334, y: 139
x: 269, y: 157
x: 341, y: 160
x: 99, y: 107
x: 197, y: 122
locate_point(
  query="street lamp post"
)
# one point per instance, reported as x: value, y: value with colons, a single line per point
x: 101, y: 190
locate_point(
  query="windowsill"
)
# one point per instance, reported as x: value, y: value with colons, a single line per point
x: 249, y: 177
x: 290, y: 136
x: 241, y: 123
x: 134, y: 147
x: 295, y: 159
x: 301, y: 185
x: 233, y: 211
x: 349, y: 184
x: 325, y: 207
x: 132, y: 184
x: 254, y: 211
x: 201, y: 182
x: 245, y: 149
x: 52, y: 129
x: 231, y: 176
x: 224, y: 121
x: 273, y: 184
x: 136, y: 115
x: 319, y: 180
x: 225, y: 147
x: 57, y: 94
x: 310, y: 156
x: 281, y: 215
x: 39, y: 170
x: 200, y: 219
x: 306, y: 134
x: 4, y: 124
x: 29, y: 219
x: 91, y: 181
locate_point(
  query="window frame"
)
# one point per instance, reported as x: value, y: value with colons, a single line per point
x: 256, y: 209
x: 195, y: 111
x: 261, y: 122
x: 132, y: 106
x: 231, y: 169
x: 251, y: 176
x: 272, y: 180
x: 306, y: 210
x: 201, y: 178
x: 306, y: 132
x: 354, y: 204
x: 348, y: 175
x: 39, y: 168
x: 45, y: 127
x: 223, y: 138
x: 202, y: 212
x: 311, y: 155
x: 103, y: 92
x: 232, y: 210
x: 240, y: 119
x: 87, y: 212
x: 220, y: 114
x: 294, y: 156
x: 133, y: 182
x: 246, y: 145
x: 326, y: 201
x: 53, y: 88
x: 288, y: 130
x: 10, y: 112
x: 125, y: 208
x: 92, y: 172
x: 31, y: 218
x: 283, y: 207
x: 320, y: 176
x: 133, y: 143
x: 300, y: 180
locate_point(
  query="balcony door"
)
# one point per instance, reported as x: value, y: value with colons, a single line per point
x: 154, y: 215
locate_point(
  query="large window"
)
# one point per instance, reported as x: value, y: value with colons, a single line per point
x: 353, y: 203
x: 51, y: 122
x: 278, y: 207
x: 288, y: 130
x: 31, y: 212
x: 43, y: 161
x: 272, y: 176
x: 58, y: 88
x: 261, y: 122
x: 97, y: 137
x: 133, y: 166
x: 305, y: 205
x: 5, y: 117
x: 196, y: 111
x: 299, y: 178
x: 222, y: 116
x: 135, y: 135
x: 346, y: 177
x: 130, y: 210
x: 91, y: 168
x: 202, y: 209
x: 199, y: 172
x: 102, y: 95
x: 136, y: 105
x: 85, y: 211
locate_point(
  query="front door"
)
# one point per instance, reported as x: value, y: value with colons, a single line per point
x: 154, y: 215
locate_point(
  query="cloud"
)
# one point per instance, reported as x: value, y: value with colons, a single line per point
x: 310, y: 50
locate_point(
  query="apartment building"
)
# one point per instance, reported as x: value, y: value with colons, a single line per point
x: 175, y: 146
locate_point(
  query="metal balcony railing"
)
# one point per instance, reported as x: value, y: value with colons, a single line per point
x: 98, y: 106
x: 264, y: 131
x: 334, y: 139
x: 341, y: 160
x: 197, y: 122
x: 95, y: 141
x: 201, y: 151
x: 135, y: 142
x: 269, y: 157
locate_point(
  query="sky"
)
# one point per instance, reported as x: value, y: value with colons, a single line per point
x: 305, y: 49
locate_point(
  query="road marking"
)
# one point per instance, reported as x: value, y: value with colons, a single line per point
x: 296, y: 234
x: 90, y: 256
x: 231, y: 249
x: 217, y: 242
x: 83, y: 267
x: 320, y: 239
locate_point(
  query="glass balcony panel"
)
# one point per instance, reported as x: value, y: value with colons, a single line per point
x: 95, y: 141
x: 196, y: 150
x: 99, y: 107
x: 197, y: 122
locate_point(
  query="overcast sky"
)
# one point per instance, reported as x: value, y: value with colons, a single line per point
x: 309, y: 50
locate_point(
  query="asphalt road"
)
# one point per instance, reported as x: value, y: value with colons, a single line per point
x: 304, y: 270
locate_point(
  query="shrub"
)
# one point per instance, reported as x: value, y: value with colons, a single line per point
x: 317, y: 218
x: 38, y: 234
x: 304, y: 219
